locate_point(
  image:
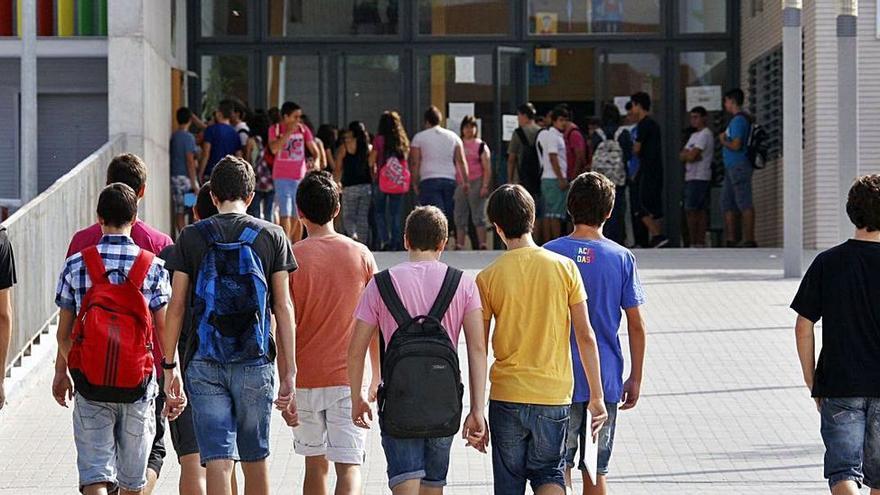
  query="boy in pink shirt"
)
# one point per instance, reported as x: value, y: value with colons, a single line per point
x: 419, y: 465
x: 289, y: 141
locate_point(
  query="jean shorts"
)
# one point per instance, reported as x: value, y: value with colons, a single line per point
x: 113, y: 442
x: 232, y: 407
x: 578, y: 431
x: 696, y: 195
x: 425, y: 459
x: 285, y: 196
x: 529, y: 445
x: 736, y: 194
x: 851, y: 432
x: 325, y: 426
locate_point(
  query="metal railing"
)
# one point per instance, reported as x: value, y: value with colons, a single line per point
x: 40, y: 232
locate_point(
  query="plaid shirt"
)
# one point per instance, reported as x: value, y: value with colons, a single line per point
x: 118, y: 252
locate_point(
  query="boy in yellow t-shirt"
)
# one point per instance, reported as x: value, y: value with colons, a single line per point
x: 535, y: 296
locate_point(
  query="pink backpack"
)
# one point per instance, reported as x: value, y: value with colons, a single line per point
x: 394, y: 176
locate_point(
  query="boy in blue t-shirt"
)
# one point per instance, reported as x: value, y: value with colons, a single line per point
x: 612, y: 281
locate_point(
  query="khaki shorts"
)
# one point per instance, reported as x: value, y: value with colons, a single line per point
x: 325, y: 426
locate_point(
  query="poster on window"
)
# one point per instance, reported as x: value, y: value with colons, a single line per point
x: 545, y: 57
x: 605, y: 16
x: 547, y: 23
x: 708, y: 97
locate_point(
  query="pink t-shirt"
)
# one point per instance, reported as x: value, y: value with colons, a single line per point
x: 574, y: 140
x: 418, y: 284
x: 290, y: 163
x: 474, y: 160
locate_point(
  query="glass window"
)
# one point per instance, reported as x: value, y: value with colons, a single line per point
x: 552, y: 17
x: 625, y: 74
x: 295, y: 78
x: 223, y: 76
x: 224, y: 18
x: 444, y: 81
x: 702, y: 16
x: 570, y: 80
x: 292, y: 18
x: 372, y: 85
x: 462, y: 17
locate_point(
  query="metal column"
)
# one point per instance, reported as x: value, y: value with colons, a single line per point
x: 793, y: 163
x: 848, y: 107
x: 28, y: 106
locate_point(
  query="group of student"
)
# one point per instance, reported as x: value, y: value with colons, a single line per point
x: 445, y: 169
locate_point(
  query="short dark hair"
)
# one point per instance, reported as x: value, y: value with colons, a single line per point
x: 736, y: 95
x: 317, y: 197
x: 610, y: 114
x: 232, y: 179
x: 433, y: 115
x: 528, y: 110
x: 560, y: 112
x: 426, y: 229
x: 512, y: 209
x: 288, y: 108
x: 117, y: 205
x: 129, y: 169
x: 225, y: 108
x: 590, y: 199
x: 205, y: 207
x: 641, y: 99
x: 184, y: 115
x: 699, y: 110
x: 863, y: 203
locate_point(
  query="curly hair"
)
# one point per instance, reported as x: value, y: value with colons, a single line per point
x: 863, y: 203
x: 392, y: 131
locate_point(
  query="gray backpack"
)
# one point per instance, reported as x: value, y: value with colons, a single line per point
x: 608, y: 158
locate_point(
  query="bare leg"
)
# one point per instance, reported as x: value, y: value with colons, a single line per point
x: 409, y: 487
x: 431, y: 490
x: 550, y: 489
x: 460, y: 238
x: 129, y: 492
x: 179, y: 222
x: 600, y: 488
x: 875, y: 491
x: 348, y: 479
x: 748, y: 217
x: 847, y: 488
x: 256, y: 477
x: 152, y: 478
x: 654, y: 226
x: 703, y: 226
x: 296, y: 230
x: 730, y: 226
x: 315, y: 482
x: 555, y: 229
x: 481, y: 237
x: 233, y: 480
x: 192, y: 476
x: 96, y: 489
x: 285, y: 225
x: 219, y: 477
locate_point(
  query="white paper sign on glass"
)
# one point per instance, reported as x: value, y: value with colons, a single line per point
x: 509, y: 123
x: 620, y: 102
x: 708, y: 97
x: 464, y: 70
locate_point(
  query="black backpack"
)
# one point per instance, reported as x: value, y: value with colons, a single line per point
x: 421, y: 390
x: 757, y: 146
x: 530, y: 169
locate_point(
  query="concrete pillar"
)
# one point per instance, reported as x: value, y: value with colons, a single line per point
x: 848, y: 105
x: 139, y: 92
x: 28, y: 175
x: 792, y: 151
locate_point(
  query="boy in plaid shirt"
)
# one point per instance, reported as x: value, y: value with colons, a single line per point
x: 113, y: 440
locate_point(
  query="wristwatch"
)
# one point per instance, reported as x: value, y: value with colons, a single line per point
x: 169, y: 366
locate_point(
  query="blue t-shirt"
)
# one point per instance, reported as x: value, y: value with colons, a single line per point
x: 224, y: 141
x: 182, y: 142
x: 738, y: 128
x: 612, y: 282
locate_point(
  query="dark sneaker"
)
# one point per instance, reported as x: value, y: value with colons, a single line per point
x: 659, y: 242
x: 748, y: 244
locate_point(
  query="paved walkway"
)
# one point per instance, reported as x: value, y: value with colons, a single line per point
x: 723, y: 410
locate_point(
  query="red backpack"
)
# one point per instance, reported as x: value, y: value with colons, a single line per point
x: 111, y: 358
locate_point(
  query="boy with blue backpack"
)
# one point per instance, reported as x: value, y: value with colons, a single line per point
x: 236, y: 268
x: 418, y: 308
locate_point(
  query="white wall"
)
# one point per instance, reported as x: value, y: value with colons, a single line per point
x: 869, y: 88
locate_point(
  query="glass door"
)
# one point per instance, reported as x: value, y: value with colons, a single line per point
x: 511, y: 91
x: 371, y: 84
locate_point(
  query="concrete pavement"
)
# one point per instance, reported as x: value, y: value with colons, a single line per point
x: 723, y: 409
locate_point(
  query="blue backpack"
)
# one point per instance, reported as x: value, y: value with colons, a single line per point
x: 231, y: 298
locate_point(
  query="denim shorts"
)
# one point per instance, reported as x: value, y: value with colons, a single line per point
x: 285, y: 196
x: 232, y: 407
x: 529, y: 445
x: 736, y: 194
x: 851, y: 432
x: 578, y: 429
x: 180, y: 185
x: 696, y: 195
x: 425, y: 459
x: 113, y: 442
x: 553, y: 199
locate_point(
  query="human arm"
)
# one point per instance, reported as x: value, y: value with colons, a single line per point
x: 285, y: 335
x: 375, y: 368
x: 66, y: 319
x: 462, y: 166
x: 5, y: 337
x: 474, y: 430
x: 316, y: 151
x: 340, y: 160
x: 512, y: 173
x: 635, y: 326
x: 486, y: 162
x: 357, y: 351
x: 373, y: 161
x: 557, y: 170
x: 203, y: 158
x: 804, y: 330
x: 734, y: 137
x: 277, y: 139
x: 415, y: 163
x: 690, y: 155
x: 589, y: 354
x: 169, y: 322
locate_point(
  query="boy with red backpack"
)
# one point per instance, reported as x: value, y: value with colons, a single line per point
x: 111, y: 296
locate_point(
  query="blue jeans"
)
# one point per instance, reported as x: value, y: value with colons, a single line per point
x: 578, y: 429
x: 232, y: 406
x: 529, y: 445
x: 425, y: 459
x: 851, y: 432
x: 736, y: 193
x: 388, y: 204
x: 262, y: 205
x: 285, y: 196
x: 439, y: 193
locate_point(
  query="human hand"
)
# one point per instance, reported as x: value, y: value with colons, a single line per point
x: 465, y: 186
x: 484, y: 191
x: 62, y: 388
x: 563, y: 184
x: 175, y: 398
x: 2, y: 393
x: 631, y: 391
x: 818, y: 403
x: 599, y: 414
x: 360, y: 412
x: 475, y: 431
x: 373, y: 391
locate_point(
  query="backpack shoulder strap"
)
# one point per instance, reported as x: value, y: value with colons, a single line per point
x: 141, y: 267
x: 521, y: 134
x: 249, y: 234
x: 447, y: 293
x: 619, y: 132
x: 601, y: 133
x: 391, y: 299
x: 94, y: 265
x: 209, y: 230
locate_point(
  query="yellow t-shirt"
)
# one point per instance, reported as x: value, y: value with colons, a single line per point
x: 529, y: 291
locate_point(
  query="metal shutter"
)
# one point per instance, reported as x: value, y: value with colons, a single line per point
x: 71, y: 127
